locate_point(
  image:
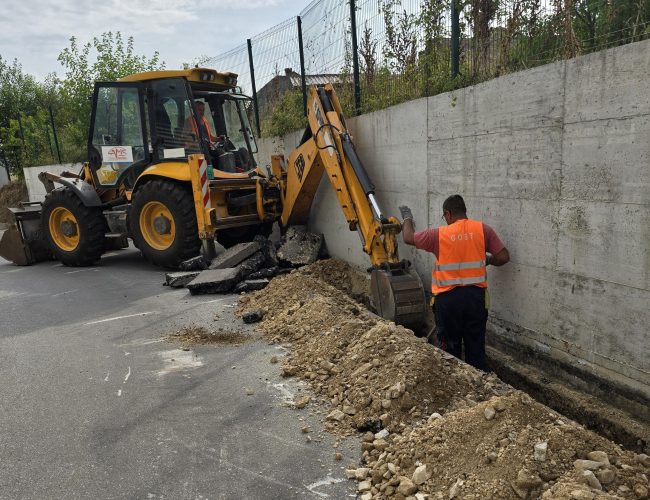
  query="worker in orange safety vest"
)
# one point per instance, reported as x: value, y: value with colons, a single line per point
x: 463, y: 249
x: 191, y: 126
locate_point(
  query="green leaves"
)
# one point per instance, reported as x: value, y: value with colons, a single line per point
x: 26, y: 135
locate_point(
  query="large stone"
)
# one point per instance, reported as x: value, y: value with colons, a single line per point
x: 598, y: 456
x: 253, y: 316
x: 406, y: 486
x: 300, y: 247
x: 180, y: 279
x: 589, y: 478
x: 588, y: 464
x: 420, y: 475
x: 214, y: 281
x: 235, y: 255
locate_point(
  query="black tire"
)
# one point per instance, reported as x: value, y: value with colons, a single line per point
x: 230, y: 237
x: 180, y: 203
x: 90, y: 228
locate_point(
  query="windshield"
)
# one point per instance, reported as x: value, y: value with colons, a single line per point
x: 237, y: 126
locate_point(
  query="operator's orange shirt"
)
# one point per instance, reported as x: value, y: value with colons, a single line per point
x: 191, y: 123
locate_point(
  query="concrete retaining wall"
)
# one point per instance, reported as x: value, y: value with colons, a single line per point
x: 557, y: 160
x: 35, y: 188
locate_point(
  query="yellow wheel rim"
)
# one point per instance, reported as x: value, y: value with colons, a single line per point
x: 64, y: 229
x: 157, y: 225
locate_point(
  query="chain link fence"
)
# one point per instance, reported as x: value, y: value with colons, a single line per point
x: 405, y: 49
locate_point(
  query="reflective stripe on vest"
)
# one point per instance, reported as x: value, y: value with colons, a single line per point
x: 461, y: 257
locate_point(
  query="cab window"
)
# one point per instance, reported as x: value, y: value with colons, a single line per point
x: 117, y: 132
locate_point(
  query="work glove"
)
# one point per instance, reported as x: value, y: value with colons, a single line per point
x: 406, y: 212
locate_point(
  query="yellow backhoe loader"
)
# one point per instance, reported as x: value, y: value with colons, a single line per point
x: 171, y: 166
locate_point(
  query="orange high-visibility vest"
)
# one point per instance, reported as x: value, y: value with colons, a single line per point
x: 192, y: 123
x: 461, y: 257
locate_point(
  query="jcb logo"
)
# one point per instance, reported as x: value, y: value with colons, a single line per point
x: 300, y: 166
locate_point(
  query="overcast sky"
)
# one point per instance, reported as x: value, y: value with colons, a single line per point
x: 35, y: 31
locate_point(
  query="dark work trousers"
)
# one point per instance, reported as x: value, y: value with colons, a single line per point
x: 460, y: 319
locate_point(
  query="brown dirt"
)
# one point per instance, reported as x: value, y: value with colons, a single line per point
x: 195, y: 335
x: 10, y: 195
x: 376, y: 375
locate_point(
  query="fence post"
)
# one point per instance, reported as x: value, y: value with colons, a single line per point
x: 355, y: 58
x: 302, y: 67
x: 455, y: 39
x: 252, y: 68
x: 49, y: 141
x: 56, y: 139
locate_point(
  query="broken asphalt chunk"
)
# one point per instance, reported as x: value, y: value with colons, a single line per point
x: 251, y: 285
x: 253, y: 316
x: 300, y: 247
x: 214, y: 281
x: 180, y: 279
x: 235, y: 255
x: 197, y: 263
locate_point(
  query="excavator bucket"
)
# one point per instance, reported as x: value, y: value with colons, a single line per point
x: 397, y: 295
x: 22, y: 243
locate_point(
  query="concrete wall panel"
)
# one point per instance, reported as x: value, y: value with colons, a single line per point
x: 607, y: 160
x: 528, y: 99
x: 510, y: 164
x: 608, y: 84
x: 35, y: 188
x: 607, y: 241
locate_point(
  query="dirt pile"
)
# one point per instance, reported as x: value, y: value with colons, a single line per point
x: 195, y: 335
x: 433, y: 427
x: 10, y: 195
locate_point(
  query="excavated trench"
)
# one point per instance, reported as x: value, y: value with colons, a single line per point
x: 429, y: 424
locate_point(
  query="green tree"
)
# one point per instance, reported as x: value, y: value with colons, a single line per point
x: 114, y: 58
x: 23, y: 125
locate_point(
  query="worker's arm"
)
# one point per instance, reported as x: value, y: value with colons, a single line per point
x: 408, y: 228
x: 498, y: 259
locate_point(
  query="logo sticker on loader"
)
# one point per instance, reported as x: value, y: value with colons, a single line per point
x: 300, y: 166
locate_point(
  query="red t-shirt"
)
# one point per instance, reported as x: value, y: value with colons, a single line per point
x: 428, y: 240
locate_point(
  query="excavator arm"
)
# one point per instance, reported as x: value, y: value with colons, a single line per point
x: 326, y: 146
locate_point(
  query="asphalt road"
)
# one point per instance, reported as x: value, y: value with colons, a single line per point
x: 95, y: 404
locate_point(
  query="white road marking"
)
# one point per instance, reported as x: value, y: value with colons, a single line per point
x: 64, y: 293
x: 119, y: 393
x: 109, y: 254
x: 120, y: 317
x: 323, y: 482
x: 8, y: 294
x: 82, y: 270
x: 106, y: 377
x: 128, y: 374
x: 22, y: 268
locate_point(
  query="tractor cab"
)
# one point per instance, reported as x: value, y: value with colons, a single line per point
x: 165, y: 116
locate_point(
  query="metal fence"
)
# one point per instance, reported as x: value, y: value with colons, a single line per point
x: 383, y: 52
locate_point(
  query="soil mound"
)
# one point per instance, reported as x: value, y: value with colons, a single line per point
x: 195, y: 335
x: 10, y: 195
x: 432, y: 424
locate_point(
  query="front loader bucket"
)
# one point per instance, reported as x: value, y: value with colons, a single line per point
x: 14, y: 248
x: 23, y: 243
x: 398, y: 296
